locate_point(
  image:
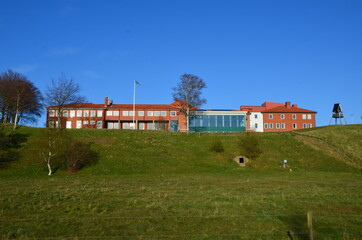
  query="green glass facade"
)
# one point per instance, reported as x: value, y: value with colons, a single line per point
x: 217, y: 123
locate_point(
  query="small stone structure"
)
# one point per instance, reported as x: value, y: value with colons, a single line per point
x: 241, y: 160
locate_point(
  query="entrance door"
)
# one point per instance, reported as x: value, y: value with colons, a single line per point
x: 68, y: 124
x: 173, y: 126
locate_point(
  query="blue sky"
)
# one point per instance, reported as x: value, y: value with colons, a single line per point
x: 308, y: 52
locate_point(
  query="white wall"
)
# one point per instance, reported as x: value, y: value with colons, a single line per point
x: 256, y: 118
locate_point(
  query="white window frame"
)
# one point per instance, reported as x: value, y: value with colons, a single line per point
x: 131, y: 113
x: 125, y: 113
x: 109, y: 113
x: 295, y: 126
x: 86, y: 113
x: 116, y: 113
x: 270, y: 116
x: 141, y: 113
x: 310, y: 125
x: 282, y: 116
x: 85, y: 122
x: 92, y: 122
x: 93, y: 113
x: 304, y: 125
x: 294, y: 116
x: 150, y: 113
x: 156, y: 113
x: 277, y: 125
x: 79, y: 113
x: 266, y: 125
x: 51, y: 113
x: 99, y: 113
x: 270, y: 125
x: 163, y: 113
x: 304, y: 116
x: 72, y: 113
x: 309, y: 116
x: 173, y: 113
x: 283, y: 126
x: 65, y: 113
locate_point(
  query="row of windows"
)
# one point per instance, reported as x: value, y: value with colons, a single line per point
x: 294, y: 116
x: 282, y: 125
x: 141, y: 126
x: 99, y: 113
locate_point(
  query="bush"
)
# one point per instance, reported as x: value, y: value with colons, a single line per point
x: 78, y: 155
x: 249, y: 146
x: 216, y: 145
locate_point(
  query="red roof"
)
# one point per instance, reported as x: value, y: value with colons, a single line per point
x: 290, y: 109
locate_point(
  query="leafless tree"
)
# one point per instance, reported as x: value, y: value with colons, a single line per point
x: 20, y: 100
x: 189, y: 91
x: 62, y: 91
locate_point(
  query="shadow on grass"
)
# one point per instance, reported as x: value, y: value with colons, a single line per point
x: 9, y: 147
x: 297, y: 225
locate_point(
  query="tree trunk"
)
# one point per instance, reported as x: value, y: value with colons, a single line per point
x: 50, y: 169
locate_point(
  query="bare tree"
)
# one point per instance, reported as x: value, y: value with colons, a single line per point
x: 19, y: 99
x: 189, y: 91
x: 63, y: 91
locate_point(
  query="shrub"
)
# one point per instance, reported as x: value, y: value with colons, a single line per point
x: 78, y: 155
x: 216, y: 145
x: 249, y: 146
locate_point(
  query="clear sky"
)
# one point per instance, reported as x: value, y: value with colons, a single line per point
x: 308, y: 52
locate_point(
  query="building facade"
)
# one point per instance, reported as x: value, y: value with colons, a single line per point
x: 269, y: 117
x: 279, y: 117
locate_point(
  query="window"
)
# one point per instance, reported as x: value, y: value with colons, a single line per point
x: 309, y: 116
x: 294, y: 126
x: 109, y: 113
x: 157, y: 113
x: 173, y: 113
x: 150, y: 113
x: 125, y: 113
x: 163, y: 113
x: 294, y: 116
x: 92, y: 122
x: 265, y: 125
x: 270, y: 125
x: 141, y: 126
x: 131, y: 113
x: 116, y: 114
x: 51, y: 114
x: 304, y: 116
x: 65, y: 113
x: 304, y: 125
x: 79, y: 113
x: 85, y: 122
x: 93, y: 113
x: 277, y: 125
x: 256, y: 116
x: 141, y: 113
x: 256, y: 126
x: 72, y: 113
x: 51, y: 124
x: 150, y: 126
x: 270, y: 116
x: 283, y: 126
x: 282, y: 116
x: 310, y: 125
x: 125, y: 125
x: 99, y: 113
x: 86, y: 113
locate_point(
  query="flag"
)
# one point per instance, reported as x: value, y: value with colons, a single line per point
x: 137, y: 83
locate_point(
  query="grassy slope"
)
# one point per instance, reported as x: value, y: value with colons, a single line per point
x: 157, y: 174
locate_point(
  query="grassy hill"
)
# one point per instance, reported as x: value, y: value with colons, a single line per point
x: 162, y: 185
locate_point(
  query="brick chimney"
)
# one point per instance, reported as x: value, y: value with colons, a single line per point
x: 106, y: 101
x: 287, y: 104
x: 295, y: 105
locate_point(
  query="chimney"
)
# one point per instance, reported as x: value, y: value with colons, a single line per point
x: 295, y: 105
x: 106, y: 101
x: 287, y: 104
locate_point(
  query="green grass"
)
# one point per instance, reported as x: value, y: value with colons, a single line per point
x: 161, y: 185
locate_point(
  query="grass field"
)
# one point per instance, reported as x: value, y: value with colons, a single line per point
x: 161, y: 185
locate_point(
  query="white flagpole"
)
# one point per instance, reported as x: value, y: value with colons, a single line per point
x: 134, y: 104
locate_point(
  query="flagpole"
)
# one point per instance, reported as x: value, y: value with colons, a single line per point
x: 134, y: 104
